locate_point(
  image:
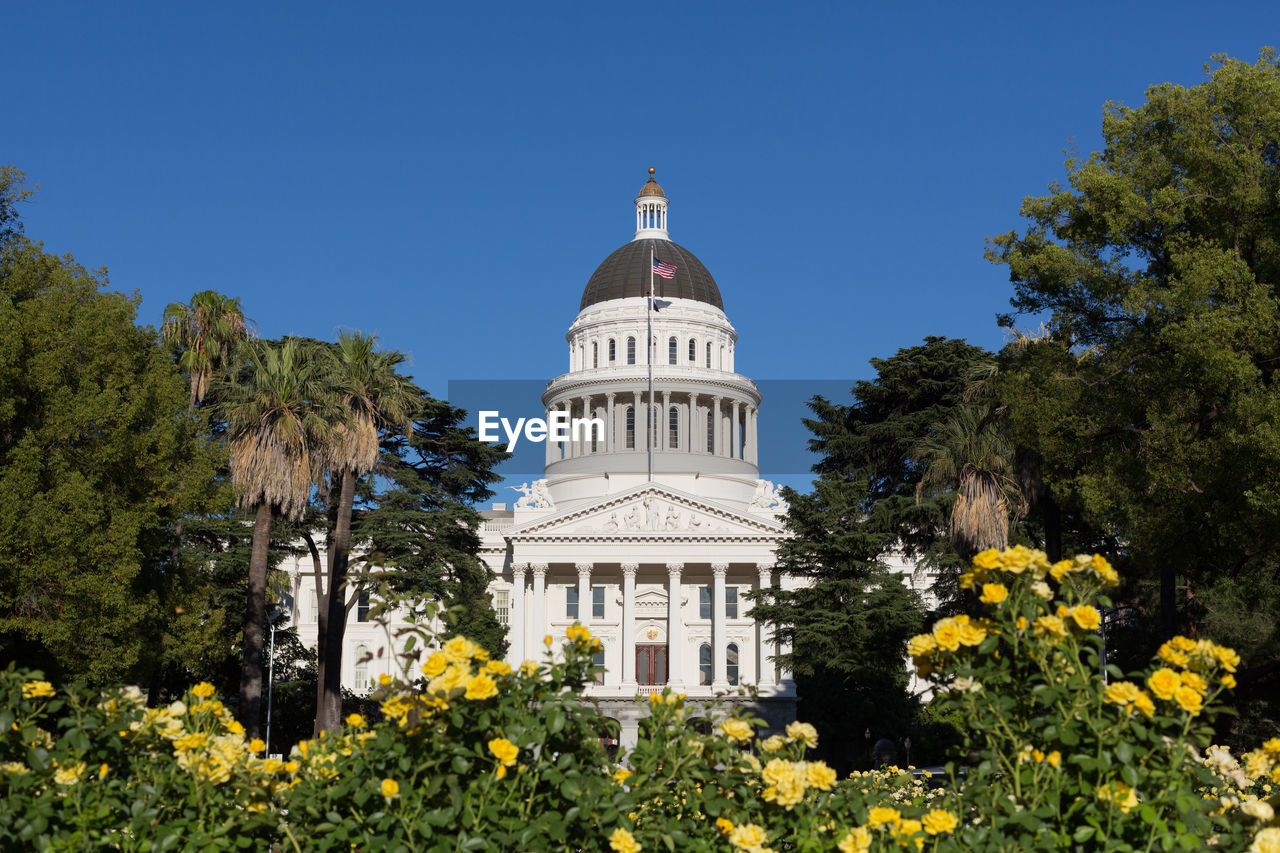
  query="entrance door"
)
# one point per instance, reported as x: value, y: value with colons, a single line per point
x: 651, y: 664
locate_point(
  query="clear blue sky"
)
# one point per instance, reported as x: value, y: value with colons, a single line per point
x: 448, y: 175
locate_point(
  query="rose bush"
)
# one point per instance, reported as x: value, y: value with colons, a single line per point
x: 476, y: 755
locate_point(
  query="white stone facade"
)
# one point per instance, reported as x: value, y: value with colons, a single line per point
x: 651, y: 547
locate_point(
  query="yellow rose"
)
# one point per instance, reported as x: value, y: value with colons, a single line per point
x: 203, y: 690
x: 1120, y: 794
x: 37, y: 690
x: 1229, y: 681
x: 621, y: 775
x: 390, y: 788
x: 498, y: 667
x: 987, y: 560
x: 356, y: 721
x: 1194, y: 681
x: 622, y: 841
x: 1050, y: 626
x: 1144, y: 704
x: 993, y: 593
x: 257, y: 745
x: 384, y: 679
x: 1060, y: 569
x: 1266, y: 841
x: 748, y: 836
x: 1188, y: 699
x: 857, y: 840
x: 921, y: 645
x: 939, y: 821
x: 946, y: 633
x: 736, y: 729
x: 972, y: 634
x: 883, y: 816
x: 724, y: 825
x: 1122, y: 692
x: 772, y: 743
x: 459, y: 650
x: 504, y: 750
x: 1086, y: 617
x: 1163, y: 682
x: 803, y: 731
x: 481, y: 687
x: 820, y: 776
x: 434, y: 665
x: 1054, y: 759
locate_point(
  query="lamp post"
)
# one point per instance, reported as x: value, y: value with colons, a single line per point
x: 272, y: 614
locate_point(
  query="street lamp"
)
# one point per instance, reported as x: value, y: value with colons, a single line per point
x: 273, y: 613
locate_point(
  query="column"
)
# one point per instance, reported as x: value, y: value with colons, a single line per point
x: 764, y: 651
x: 719, y: 642
x: 717, y: 444
x: 785, y: 678
x: 584, y: 592
x: 610, y: 424
x: 519, y: 624
x: 628, y: 624
x: 539, y: 606
x: 639, y: 439
x: 549, y: 444
x: 754, y: 455
x: 570, y: 450
x: 735, y: 444
x: 587, y: 432
x: 693, y: 422
x: 675, y: 628
x: 665, y: 422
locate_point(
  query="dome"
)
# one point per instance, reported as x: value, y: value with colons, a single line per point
x: 651, y: 187
x: 626, y: 273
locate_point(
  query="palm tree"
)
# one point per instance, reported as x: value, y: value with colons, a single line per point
x: 208, y: 331
x: 276, y: 422
x: 970, y: 455
x: 376, y: 400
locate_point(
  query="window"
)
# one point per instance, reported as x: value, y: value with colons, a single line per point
x: 362, y: 608
x: 597, y: 664
x: 315, y: 606
x: 597, y: 602
x: 673, y: 428
x: 595, y: 354
x: 731, y: 664
x: 631, y: 351
x: 704, y: 602
x: 502, y: 605
x: 360, y: 675
x: 673, y: 351
x: 651, y: 664
x: 631, y: 427
x: 731, y: 602
x: 693, y: 350
x: 571, y: 602
x: 711, y: 431
x: 708, y: 353
x: 704, y: 664
x: 613, y: 350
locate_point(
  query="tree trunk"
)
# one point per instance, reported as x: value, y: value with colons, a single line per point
x: 318, y: 571
x: 1052, y: 526
x: 255, y: 624
x: 329, y: 711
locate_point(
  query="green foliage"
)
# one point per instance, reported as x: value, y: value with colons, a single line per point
x: 92, y: 449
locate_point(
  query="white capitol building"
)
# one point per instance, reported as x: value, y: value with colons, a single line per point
x: 652, y: 549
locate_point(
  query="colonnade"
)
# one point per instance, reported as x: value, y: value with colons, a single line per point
x: 529, y: 622
x: 713, y: 424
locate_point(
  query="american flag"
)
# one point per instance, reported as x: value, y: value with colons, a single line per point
x: 663, y: 270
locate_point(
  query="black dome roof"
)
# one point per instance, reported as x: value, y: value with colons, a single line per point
x: 626, y: 273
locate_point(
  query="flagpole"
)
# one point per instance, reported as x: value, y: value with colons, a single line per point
x: 649, y: 424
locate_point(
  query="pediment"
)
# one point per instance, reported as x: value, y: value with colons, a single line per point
x: 648, y: 511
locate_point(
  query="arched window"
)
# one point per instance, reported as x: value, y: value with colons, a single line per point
x: 631, y: 350
x: 595, y: 353
x: 704, y: 664
x: 631, y: 427
x: 673, y: 349
x: 360, y: 674
x: 731, y: 664
x: 693, y: 350
x: 708, y: 354
x: 673, y: 428
x: 613, y: 350
x: 711, y: 431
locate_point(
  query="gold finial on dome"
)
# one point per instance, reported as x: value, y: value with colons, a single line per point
x: 651, y: 186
